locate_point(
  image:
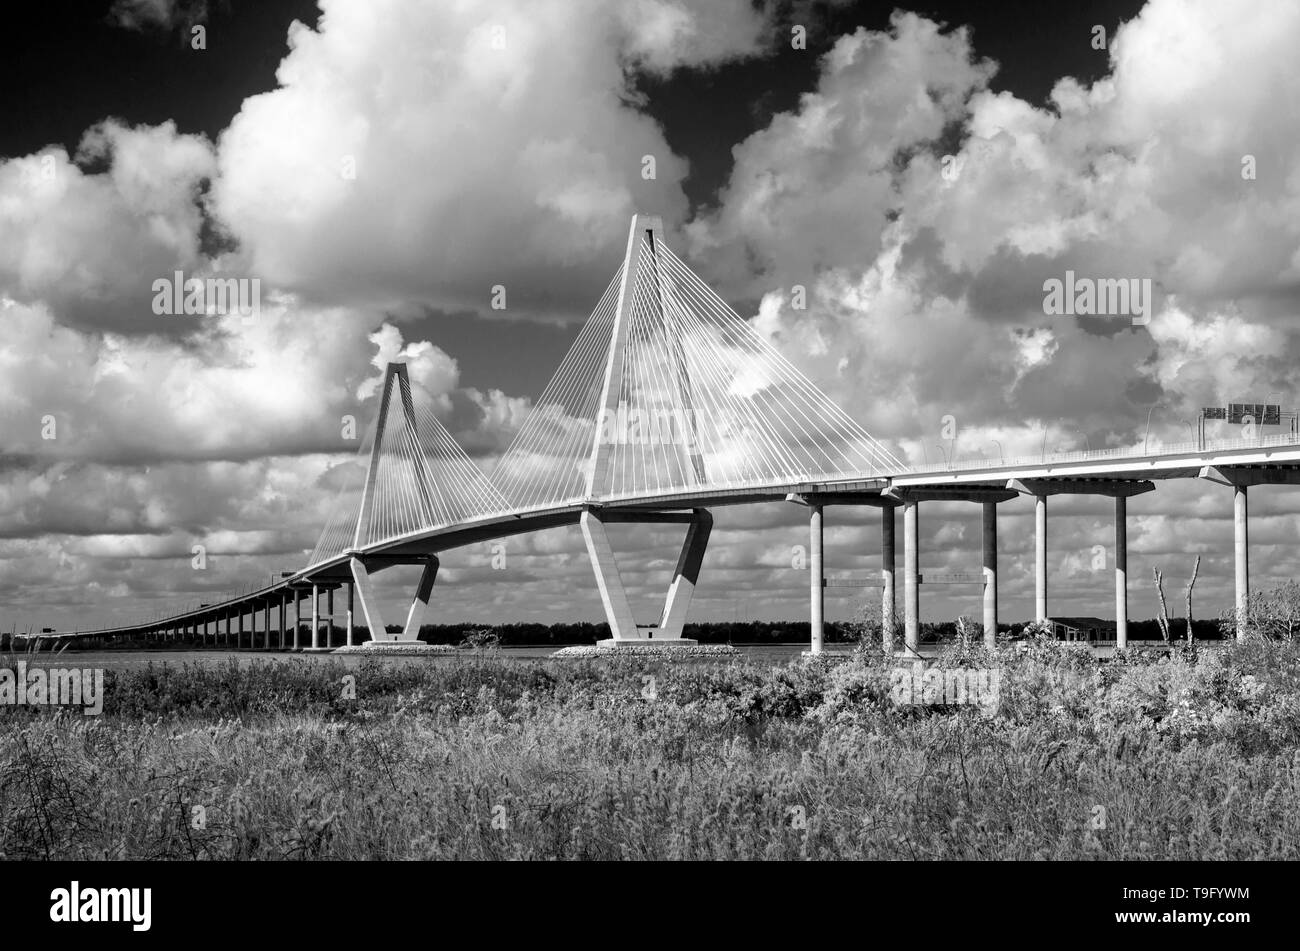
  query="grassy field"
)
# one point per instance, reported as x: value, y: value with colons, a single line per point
x: 1191, y: 756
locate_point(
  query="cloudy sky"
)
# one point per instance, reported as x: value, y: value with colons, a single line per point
x: 380, y: 165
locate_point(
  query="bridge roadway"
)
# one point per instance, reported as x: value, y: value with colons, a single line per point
x: 1118, y: 473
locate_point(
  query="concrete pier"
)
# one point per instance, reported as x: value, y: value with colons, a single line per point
x: 1121, y: 572
x: 989, y: 537
x: 911, y: 577
x: 1040, y: 557
x: 613, y: 594
x: 1119, y: 490
x: 816, y: 579
x: 887, y: 594
x: 352, y: 591
x: 329, y: 623
x: 1241, y: 556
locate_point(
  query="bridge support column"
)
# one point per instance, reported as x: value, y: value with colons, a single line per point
x: 618, y: 611
x: 315, y: 618
x: 990, y: 551
x: 1241, y: 556
x: 227, y: 640
x: 1120, y: 490
x: 329, y: 622
x: 887, y: 595
x: 816, y: 579
x: 283, y: 615
x: 1240, y: 477
x: 1040, y: 557
x: 352, y: 590
x: 686, y: 574
x: 363, y: 587
x: 420, y: 603
x: 297, y: 617
x: 911, y: 578
x: 1121, y: 572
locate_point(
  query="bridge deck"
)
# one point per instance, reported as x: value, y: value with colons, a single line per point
x: 1280, y: 453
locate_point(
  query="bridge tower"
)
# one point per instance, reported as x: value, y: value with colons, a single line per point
x: 389, y: 431
x: 643, y: 283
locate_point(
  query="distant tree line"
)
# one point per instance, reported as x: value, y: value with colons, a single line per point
x: 740, y: 632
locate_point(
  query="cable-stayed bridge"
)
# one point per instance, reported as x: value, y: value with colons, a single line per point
x: 669, y: 404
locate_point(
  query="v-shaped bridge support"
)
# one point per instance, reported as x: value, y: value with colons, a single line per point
x: 618, y: 609
x: 674, y: 386
x: 362, y: 569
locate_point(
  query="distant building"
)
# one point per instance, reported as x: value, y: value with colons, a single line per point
x: 1082, y: 628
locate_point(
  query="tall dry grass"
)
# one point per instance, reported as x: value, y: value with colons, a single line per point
x: 1193, y: 756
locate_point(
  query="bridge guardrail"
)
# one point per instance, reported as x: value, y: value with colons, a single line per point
x: 1124, y: 452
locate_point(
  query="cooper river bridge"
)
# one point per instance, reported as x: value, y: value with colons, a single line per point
x: 667, y: 405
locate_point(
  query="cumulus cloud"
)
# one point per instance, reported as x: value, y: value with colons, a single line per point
x: 90, y: 243
x: 815, y: 190
x: 230, y: 391
x: 489, y: 146
x: 925, y: 270
x: 432, y: 152
x: 923, y: 212
x: 413, y: 158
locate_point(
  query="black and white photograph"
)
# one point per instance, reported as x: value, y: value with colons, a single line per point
x: 743, y: 433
